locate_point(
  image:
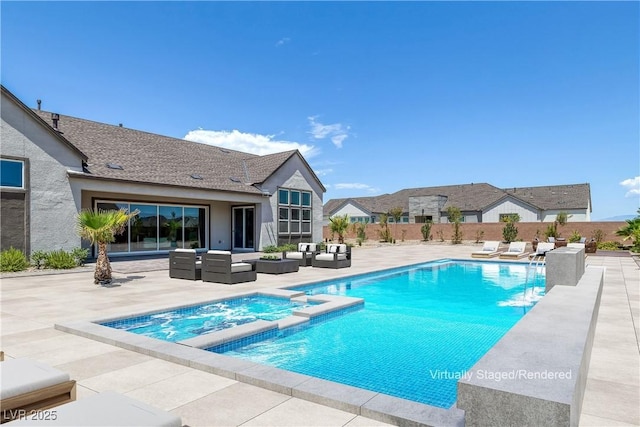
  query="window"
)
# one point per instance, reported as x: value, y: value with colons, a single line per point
x: 283, y: 197
x: 294, y: 211
x: 507, y: 216
x: 159, y: 227
x: 423, y: 219
x: 12, y: 173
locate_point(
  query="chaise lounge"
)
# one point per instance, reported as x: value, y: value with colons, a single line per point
x: 217, y: 267
x: 336, y: 256
x: 542, y: 249
x: 28, y: 386
x: 304, y: 255
x: 183, y: 264
x: 104, y: 409
x: 489, y: 250
x: 516, y: 251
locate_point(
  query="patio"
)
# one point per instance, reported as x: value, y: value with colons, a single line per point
x: 32, y: 304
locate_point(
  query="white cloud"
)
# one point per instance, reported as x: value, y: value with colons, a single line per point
x: 283, y: 41
x: 248, y: 142
x: 323, y: 172
x: 336, y: 131
x: 355, y: 186
x: 632, y: 185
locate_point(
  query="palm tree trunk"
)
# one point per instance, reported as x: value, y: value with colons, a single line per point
x: 103, y: 267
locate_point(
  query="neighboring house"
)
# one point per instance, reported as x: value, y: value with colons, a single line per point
x: 189, y: 195
x: 477, y: 202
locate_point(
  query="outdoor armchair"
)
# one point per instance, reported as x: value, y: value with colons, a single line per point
x: 218, y: 267
x: 183, y: 264
x: 336, y: 256
x: 304, y: 254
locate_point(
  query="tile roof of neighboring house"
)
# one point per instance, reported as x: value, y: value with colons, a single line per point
x: 150, y: 158
x: 475, y: 197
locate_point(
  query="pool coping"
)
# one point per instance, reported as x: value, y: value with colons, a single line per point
x: 351, y: 399
x: 371, y: 404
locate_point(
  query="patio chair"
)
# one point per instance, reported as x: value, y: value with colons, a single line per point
x: 28, y: 386
x: 105, y: 409
x: 304, y: 254
x: 489, y: 250
x: 183, y: 264
x: 217, y: 267
x: 336, y: 256
x: 542, y: 249
x: 516, y: 251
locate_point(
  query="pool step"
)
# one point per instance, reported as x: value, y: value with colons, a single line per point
x: 227, y: 335
x: 329, y: 303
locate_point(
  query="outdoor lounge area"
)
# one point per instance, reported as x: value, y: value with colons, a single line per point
x: 205, y: 398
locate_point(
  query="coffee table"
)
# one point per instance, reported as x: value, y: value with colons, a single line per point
x: 278, y: 266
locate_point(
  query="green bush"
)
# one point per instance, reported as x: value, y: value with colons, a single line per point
x: 426, y: 231
x: 510, y: 232
x: 60, y: 260
x: 608, y: 246
x: 288, y: 247
x: 270, y: 249
x: 38, y: 258
x: 13, y: 259
x: 80, y: 255
x: 575, y: 237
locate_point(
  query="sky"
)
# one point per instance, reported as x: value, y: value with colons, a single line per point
x: 378, y: 96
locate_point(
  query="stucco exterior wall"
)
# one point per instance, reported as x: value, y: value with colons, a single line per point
x: 511, y: 206
x: 574, y: 215
x: 292, y: 174
x: 52, y: 203
x: 351, y: 210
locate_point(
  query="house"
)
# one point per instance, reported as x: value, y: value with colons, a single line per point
x: 189, y: 195
x: 478, y: 203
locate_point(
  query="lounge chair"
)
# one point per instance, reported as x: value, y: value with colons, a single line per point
x: 516, y: 251
x: 28, y: 386
x: 336, y: 256
x: 217, y: 267
x: 304, y: 254
x: 489, y: 250
x: 551, y: 239
x: 183, y: 264
x: 542, y: 249
x: 104, y: 409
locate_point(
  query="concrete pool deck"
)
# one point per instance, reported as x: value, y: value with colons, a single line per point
x: 31, y: 305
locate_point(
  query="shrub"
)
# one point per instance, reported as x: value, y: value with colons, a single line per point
x: 13, y: 259
x: 426, y: 230
x: 454, y: 216
x: 479, y: 235
x: 80, y: 255
x: 403, y: 234
x: 270, y: 249
x: 60, y: 260
x: 38, y: 259
x: 598, y: 235
x: 287, y: 247
x: 269, y: 257
x: 575, y: 237
x: 510, y: 232
x: 441, y: 235
x: 608, y: 246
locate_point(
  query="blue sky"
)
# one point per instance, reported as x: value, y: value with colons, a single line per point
x: 378, y: 96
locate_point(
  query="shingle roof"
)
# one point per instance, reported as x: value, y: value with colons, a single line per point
x: 475, y: 197
x: 149, y: 158
x: 573, y: 196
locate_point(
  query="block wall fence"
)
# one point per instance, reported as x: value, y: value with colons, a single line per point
x: 492, y: 231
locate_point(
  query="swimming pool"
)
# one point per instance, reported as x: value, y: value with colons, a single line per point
x: 420, y: 330
x: 189, y: 322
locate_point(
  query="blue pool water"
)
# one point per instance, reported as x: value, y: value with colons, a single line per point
x: 421, y: 328
x: 189, y: 322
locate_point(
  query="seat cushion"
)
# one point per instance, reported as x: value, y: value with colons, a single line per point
x: 185, y: 250
x: 107, y: 409
x: 219, y: 252
x: 332, y: 249
x: 240, y: 266
x: 20, y: 376
x: 329, y: 257
x: 294, y: 255
x: 302, y: 247
x: 312, y: 247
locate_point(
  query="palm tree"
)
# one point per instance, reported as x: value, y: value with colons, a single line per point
x: 396, y: 214
x: 100, y: 227
x: 632, y: 231
x: 339, y: 225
